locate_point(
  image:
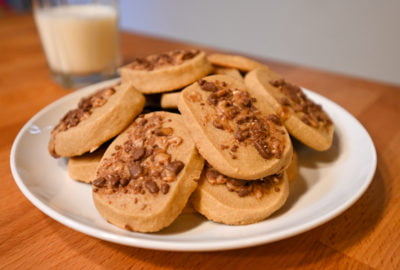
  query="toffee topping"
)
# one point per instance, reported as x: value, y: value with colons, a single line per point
x: 244, y: 188
x: 143, y: 163
x: 308, y: 112
x: 236, y: 113
x: 157, y: 61
x: 85, y: 108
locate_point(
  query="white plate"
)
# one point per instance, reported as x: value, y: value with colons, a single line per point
x: 328, y: 183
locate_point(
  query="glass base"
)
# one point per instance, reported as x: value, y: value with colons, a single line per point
x: 72, y: 81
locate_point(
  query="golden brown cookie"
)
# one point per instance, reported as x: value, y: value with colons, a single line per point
x: 83, y: 168
x: 293, y: 168
x: 233, y: 72
x: 98, y: 118
x: 236, y: 202
x: 238, y: 135
x: 305, y: 120
x: 234, y: 61
x: 166, y: 71
x: 146, y: 176
x: 170, y: 100
x: 188, y: 209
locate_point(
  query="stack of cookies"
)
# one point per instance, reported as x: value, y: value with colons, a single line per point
x: 217, y: 139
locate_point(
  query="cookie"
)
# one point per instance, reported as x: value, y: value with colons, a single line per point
x: 237, y: 134
x: 233, y: 72
x: 147, y: 174
x: 83, y: 168
x: 188, y: 209
x: 304, y: 119
x: 98, y: 118
x: 236, y: 202
x: 234, y: 61
x: 293, y: 168
x: 169, y: 100
x: 165, y: 72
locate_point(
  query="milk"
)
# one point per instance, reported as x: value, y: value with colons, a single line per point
x: 79, y: 39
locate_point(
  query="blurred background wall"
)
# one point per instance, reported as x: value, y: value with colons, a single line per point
x: 356, y: 37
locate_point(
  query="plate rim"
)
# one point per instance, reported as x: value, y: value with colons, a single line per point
x: 185, y: 245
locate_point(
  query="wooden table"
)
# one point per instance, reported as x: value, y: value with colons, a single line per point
x: 365, y: 236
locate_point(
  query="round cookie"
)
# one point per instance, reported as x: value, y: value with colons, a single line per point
x: 188, y: 209
x: 237, y: 202
x: 166, y: 71
x: 147, y: 174
x: 170, y: 100
x: 234, y: 61
x: 293, y: 168
x: 97, y: 118
x: 304, y: 120
x: 233, y: 72
x: 83, y: 168
x: 238, y: 135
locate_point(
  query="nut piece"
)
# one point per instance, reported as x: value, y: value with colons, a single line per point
x: 151, y: 186
x: 175, y: 167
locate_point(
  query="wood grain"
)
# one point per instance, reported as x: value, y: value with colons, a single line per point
x: 366, y: 236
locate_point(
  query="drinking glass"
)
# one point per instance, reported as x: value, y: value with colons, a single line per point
x: 80, y: 39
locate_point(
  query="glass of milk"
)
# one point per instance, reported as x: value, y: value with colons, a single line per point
x: 80, y: 39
